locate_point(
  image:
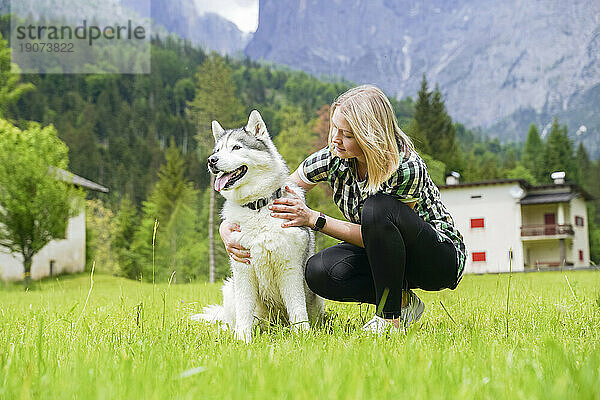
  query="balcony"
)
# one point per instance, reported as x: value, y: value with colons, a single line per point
x: 547, y: 230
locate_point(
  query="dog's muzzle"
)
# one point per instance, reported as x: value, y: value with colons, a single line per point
x: 212, y: 164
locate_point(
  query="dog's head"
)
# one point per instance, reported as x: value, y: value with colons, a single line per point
x: 242, y: 155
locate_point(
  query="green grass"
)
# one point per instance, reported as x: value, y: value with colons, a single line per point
x: 134, y: 341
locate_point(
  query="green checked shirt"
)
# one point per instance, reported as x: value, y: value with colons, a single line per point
x: 409, y: 183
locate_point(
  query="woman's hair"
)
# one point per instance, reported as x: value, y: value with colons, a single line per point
x: 374, y: 125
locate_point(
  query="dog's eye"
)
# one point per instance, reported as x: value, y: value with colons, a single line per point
x: 237, y: 147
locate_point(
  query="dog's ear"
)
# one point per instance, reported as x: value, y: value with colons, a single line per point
x: 256, y: 126
x: 217, y: 130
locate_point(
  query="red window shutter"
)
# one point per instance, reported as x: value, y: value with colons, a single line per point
x: 479, y: 256
x: 477, y: 223
x: 580, y: 255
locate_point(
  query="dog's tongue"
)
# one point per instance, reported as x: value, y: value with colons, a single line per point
x: 222, y: 180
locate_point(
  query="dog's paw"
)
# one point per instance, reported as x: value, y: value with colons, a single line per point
x: 243, y: 335
x: 302, y: 326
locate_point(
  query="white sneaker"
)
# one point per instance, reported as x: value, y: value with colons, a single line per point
x: 378, y: 325
x: 413, y: 311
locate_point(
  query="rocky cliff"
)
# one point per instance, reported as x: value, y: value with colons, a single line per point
x: 182, y: 18
x: 500, y: 65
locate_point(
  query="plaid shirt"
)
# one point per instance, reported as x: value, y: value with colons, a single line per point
x: 411, y: 182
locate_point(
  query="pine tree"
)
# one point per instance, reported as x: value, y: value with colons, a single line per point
x: 489, y: 167
x: 168, y: 227
x: 584, y: 167
x: 533, y: 153
x: 558, y: 154
x: 127, y: 222
x: 418, y: 127
x: 215, y: 99
x: 510, y: 159
x: 442, y: 134
x: 295, y: 140
x: 171, y: 183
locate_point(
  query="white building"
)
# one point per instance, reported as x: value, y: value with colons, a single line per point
x: 543, y: 225
x: 58, y: 256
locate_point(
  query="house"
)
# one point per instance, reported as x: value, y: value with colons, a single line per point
x: 510, y: 221
x: 58, y: 256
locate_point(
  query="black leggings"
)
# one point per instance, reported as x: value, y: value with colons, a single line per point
x: 402, y: 251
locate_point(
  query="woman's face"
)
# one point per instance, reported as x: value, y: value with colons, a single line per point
x: 343, y: 139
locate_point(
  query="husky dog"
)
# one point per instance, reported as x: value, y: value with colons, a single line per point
x: 250, y: 173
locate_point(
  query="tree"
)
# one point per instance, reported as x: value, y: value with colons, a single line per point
x: 321, y: 128
x: 442, y: 134
x: 558, y: 153
x: 417, y: 128
x: 100, y: 229
x: 584, y: 167
x: 35, y: 204
x: 520, y: 172
x: 533, y: 153
x: 126, y: 223
x: 215, y: 99
x: 10, y: 88
x: 166, y: 239
x: 295, y: 141
x: 433, y: 130
x: 510, y: 159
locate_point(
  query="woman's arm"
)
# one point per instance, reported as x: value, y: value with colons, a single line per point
x: 342, y: 230
x: 295, y: 178
x: 298, y: 214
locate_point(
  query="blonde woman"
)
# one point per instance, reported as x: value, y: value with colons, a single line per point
x: 398, y: 236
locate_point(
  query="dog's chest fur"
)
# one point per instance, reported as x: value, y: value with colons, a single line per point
x: 273, y: 248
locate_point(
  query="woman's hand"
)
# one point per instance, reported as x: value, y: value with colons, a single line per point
x: 294, y: 210
x: 233, y: 248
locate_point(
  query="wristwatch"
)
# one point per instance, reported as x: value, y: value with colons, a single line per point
x: 320, y: 222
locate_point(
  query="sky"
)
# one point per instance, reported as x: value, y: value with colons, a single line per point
x: 243, y: 13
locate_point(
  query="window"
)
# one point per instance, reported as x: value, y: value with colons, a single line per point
x: 477, y: 223
x: 479, y: 256
x: 578, y: 221
x: 580, y: 255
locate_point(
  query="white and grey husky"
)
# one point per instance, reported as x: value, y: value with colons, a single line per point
x: 250, y: 173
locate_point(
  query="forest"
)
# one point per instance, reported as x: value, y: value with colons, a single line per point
x: 147, y: 137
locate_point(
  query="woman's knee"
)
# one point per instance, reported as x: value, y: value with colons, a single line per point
x: 328, y: 270
x: 315, y: 273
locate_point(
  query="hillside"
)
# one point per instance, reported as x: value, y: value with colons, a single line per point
x: 501, y: 65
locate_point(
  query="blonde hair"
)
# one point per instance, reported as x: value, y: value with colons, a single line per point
x: 371, y: 117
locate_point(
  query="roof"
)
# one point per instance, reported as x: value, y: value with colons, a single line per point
x: 78, y: 180
x: 541, y: 198
x: 521, y: 182
x: 571, y: 187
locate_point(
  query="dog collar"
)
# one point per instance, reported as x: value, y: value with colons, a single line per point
x: 260, y: 203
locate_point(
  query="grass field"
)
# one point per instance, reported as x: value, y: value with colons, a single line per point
x: 134, y: 341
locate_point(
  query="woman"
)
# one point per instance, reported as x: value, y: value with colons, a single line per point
x: 399, y: 235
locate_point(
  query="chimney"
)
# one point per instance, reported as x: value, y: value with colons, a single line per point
x: 452, y: 178
x: 558, y: 177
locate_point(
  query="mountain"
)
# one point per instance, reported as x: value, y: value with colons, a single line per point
x: 500, y: 65
x: 182, y: 18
